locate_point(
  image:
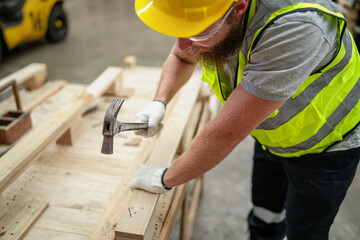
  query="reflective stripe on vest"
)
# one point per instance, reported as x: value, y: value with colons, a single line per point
x: 324, y: 108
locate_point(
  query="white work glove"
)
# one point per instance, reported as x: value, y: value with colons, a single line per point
x: 152, y: 114
x: 149, y: 178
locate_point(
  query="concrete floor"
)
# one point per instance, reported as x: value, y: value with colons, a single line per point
x: 101, y: 34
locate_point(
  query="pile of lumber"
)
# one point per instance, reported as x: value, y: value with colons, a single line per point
x: 54, y: 180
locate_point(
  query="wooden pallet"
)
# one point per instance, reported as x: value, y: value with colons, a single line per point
x: 69, y: 190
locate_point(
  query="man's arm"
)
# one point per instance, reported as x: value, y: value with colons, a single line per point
x: 177, y: 70
x: 241, y: 113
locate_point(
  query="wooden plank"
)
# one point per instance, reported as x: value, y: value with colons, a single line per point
x: 182, y: 192
x: 190, y: 219
x: 170, y: 220
x: 190, y: 128
x: 32, y: 99
x: 142, y: 225
x: 62, y: 219
x: 104, y: 229
x: 15, y: 161
x: 162, y: 209
x: 205, y: 116
x: 196, y: 124
x: 199, y: 182
x: 109, y: 80
x: 17, y: 227
x: 40, y: 233
x: 32, y: 76
x: 184, y: 215
x: 2, y: 207
x: 42, y: 94
x: 44, y: 110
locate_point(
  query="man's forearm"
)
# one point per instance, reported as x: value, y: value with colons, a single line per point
x: 239, y: 116
x: 176, y: 72
x: 204, y: 153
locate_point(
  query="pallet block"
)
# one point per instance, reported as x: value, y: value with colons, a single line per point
x: 72, y: 133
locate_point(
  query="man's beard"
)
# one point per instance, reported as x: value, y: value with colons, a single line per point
x: 217, y: 55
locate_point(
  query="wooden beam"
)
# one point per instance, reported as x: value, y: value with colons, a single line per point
x: 184, y: 214
x: 16, y: 160
x: 32, y: 99
x: 190, y: 218
x: 109, y: 82
x: 32, y: 76
x: 189, y: 212
x: 191, y: 127
x: 196, y: 122
x: 171, y: 217
x: 104, y: 229
x: 17, y: 227
x: 142, y: 225
x: 2, y: 207
x: 43, y: 93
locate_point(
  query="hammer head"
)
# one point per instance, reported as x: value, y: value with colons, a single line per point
x: 110, y: 126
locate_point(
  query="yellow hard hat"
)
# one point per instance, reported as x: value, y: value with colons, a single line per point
x: 181, y: 18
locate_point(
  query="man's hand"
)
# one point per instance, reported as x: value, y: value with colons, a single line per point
x: 153, y: 114
x: 149, y: 178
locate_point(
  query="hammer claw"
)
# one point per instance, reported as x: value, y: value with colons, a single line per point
x: 111, y: 126
x: 114, y: 108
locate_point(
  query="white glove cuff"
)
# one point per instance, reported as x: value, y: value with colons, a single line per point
x: 160, y: 102
x: 162, y: 180
x: 158, y: 182
x: 149, y: 178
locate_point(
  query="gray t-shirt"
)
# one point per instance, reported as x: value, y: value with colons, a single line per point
x: 280, y: 63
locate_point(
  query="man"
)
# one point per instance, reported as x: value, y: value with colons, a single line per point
x: 288, y: 73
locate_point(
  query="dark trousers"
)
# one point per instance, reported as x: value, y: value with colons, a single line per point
x: 310, y: 188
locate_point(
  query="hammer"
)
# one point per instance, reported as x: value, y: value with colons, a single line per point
x: 111, y: 127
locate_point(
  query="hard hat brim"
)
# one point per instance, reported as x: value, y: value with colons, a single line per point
x: 174, y: 26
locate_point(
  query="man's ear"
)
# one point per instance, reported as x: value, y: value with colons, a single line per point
x: 241, y: 6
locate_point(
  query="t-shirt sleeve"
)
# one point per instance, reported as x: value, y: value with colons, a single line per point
x: 285, y: 55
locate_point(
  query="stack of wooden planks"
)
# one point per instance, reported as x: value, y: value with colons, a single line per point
x: 56, y: 184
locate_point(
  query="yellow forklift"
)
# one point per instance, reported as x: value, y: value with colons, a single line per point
x: 29, y: 20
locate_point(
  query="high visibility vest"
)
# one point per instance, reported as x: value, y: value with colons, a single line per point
x: 324, y: 108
